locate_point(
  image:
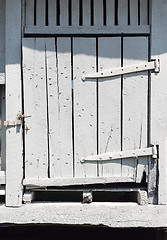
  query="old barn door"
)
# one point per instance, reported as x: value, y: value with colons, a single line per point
x: 68, y: 119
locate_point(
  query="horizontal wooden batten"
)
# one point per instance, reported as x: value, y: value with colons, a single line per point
x: 93, y: 30
x: 53, y: 182
x: 87, y: 188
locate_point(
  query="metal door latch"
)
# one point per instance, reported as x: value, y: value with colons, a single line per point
x: 153, y: 65
x: 22, y: 116
x: 17, y: 122
x: 151, y: 151
x: 7, y: 123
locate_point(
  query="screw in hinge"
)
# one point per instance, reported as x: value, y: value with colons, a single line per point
x: 83, y: 78
x: 82, y: 160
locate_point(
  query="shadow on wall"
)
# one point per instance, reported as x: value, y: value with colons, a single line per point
x: 91, y: 46
x: 77, y: 233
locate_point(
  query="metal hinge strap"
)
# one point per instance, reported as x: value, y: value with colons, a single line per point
x: 151, y: 151
x: 153, y: 65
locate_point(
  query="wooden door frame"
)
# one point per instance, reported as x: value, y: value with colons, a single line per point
x: 158, y: 19
x: 14, y: 143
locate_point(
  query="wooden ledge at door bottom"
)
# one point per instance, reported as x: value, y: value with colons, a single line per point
x: 44, y: 182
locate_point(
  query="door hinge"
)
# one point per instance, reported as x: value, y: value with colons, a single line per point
x: 151, y: 151
x: 153, y: 65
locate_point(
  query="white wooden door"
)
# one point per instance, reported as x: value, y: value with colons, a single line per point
x: 69, y: 119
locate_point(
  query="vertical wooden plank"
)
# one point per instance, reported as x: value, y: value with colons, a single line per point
x: 2, y: 88
x: 110, y: 12
x: 29, y: 12
x: 35, y: 105
x: 52, y: 12
x: 98, y: 13
x: 75, y: 12
x: 65, y: 105
x: 23, y: 16
x: 0, y: 129
x: 135, y: 102
x: 133, y: 12
x: 53, y: 109
x: 158, y: 93
x: 109, y: 99
x: 85, y: 106
x: 14, y: 146
x: 86, y: 13
x: 64, y: 16
x: 143, y: 12
x: 2, y: 36
x: 122, y: 12
x: 40, y: 13
x: 60, y: 107
x: 3, y: 129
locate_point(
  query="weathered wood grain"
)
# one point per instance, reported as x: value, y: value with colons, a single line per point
x: 53, y: 109
x: 2, y: 36
x: 60, y: 107
x: 85, y: 106
x: 75, y: 12
x: 86, y: 13
x: 135, y: 106
x: 2, y: 89
x: 133, y: 12
x: 98, y: 13
x: 109, y: 104
x: 123, y: 12
x: 52, y: 12
x: 115, y: 30
x: 14, y: 146
x: 110, y: 12
x: 158, y: 93
x: 35, y: 105
x: 143, y: 12
x: 44, y: 182
x: 64, y: 16
x: 29, y: 12
x: 40, y: 13
x: 3, y: 128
